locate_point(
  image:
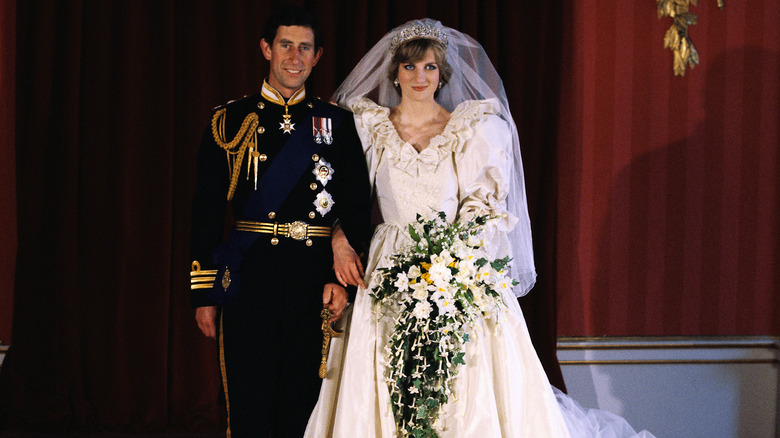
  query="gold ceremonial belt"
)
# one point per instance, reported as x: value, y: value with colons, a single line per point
x: 295, y: 230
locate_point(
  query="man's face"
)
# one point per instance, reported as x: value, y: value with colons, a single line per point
x: 292, y: 56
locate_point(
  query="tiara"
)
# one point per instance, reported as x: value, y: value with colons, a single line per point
x: 415, y: 32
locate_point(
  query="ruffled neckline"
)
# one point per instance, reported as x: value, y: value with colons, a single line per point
x: 383, y: 139
x: 376, y: 119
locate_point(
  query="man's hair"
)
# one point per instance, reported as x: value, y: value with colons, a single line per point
x: 292, y: 16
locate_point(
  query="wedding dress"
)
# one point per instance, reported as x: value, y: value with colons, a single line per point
x: 502, y: 390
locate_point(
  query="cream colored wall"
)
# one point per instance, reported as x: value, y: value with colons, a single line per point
x: 718, y: 387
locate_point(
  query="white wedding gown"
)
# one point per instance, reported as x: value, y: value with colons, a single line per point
x: 502, y: 391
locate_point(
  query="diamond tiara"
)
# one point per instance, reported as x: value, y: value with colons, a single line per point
x: 415, y: 32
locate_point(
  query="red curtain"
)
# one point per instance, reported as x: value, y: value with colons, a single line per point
x: 7, y: 165
x: 668, y: 186
x: 111, y: 99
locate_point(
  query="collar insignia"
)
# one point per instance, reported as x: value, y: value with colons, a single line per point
x: 272, y: 95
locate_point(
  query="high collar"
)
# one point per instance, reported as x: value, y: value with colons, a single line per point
x: 272, y: 95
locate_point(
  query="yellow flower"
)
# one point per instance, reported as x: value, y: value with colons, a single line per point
x: 425, y: 265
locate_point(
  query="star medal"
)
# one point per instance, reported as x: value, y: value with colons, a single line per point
x: 287, y: 126
x: 323, y: 202
x: 323, y: 171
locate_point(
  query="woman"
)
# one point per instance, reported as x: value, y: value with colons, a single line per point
x: 440, y: 137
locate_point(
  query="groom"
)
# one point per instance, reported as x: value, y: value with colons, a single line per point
x: 290, y: 167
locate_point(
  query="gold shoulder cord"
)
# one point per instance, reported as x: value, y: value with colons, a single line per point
x: 236, y: 148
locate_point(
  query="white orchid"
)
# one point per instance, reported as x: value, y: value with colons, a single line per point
x: 503, y: 284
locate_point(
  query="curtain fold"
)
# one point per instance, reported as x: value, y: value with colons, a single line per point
x: 667, y: 204
x: 8, y: 239
x: 111, y: 99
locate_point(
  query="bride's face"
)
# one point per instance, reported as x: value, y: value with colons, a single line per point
x: 420, y: 79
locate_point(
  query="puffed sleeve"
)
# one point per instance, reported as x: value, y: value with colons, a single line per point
x: 484, y: 166
x: 373, y: 126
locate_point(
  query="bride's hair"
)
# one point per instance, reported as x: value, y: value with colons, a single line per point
x: 415, y: 50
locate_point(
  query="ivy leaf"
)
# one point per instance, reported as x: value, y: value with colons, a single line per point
x: 458, y: 359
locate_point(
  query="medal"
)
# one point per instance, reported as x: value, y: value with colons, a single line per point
x: 321, y: 128
x: 323, y: 202
x: 287, y: 126
x: 323, y: 171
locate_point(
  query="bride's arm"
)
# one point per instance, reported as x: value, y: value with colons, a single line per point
x: 346, y: 262
x: 484, y: 166
x: 485, y: 173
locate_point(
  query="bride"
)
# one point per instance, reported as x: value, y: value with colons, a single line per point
x: 438, y: 136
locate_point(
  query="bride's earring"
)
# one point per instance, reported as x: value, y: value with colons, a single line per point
x: 440, y: 85
x: 396, y: 83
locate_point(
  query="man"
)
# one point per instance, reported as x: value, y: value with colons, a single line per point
x: 290, y: 167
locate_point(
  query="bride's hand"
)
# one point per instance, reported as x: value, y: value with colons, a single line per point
x: 346, y: 262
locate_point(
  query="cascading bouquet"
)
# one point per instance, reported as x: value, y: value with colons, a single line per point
x: 441, y: 285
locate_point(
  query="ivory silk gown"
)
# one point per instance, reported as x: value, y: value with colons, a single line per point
x: 502, y: 391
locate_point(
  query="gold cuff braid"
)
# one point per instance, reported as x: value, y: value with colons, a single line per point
x: 201, y: 279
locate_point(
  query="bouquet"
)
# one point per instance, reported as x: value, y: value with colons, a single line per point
x: 442, y: 284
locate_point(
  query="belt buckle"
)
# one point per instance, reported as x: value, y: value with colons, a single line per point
x: 298, y: 230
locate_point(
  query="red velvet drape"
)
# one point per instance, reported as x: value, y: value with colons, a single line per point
x: 668, y: 186
x: 7, y: 165
x: 111, y: 99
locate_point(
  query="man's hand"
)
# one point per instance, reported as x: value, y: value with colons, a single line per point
x: 207, y: 320
x: 346, y: 262
x: 335, y: 298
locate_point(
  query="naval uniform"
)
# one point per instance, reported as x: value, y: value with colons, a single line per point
x: 269, y: 332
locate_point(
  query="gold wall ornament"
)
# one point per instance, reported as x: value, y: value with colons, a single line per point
x: 676, y: 38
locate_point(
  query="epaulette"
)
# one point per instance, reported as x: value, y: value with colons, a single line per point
x: 331, y: 103
x: 218, y: 107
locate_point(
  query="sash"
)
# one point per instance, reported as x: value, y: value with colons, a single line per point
x: 273, y: 189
